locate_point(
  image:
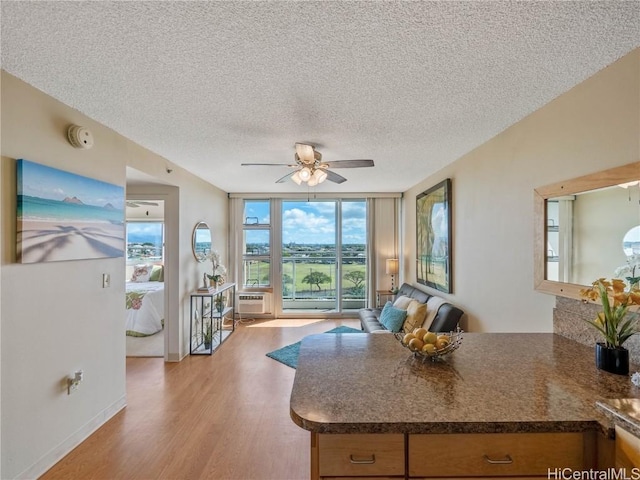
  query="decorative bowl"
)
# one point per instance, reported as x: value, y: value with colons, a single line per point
x: 454, y: 341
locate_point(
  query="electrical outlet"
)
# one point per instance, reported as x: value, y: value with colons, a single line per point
x: 106, y: 280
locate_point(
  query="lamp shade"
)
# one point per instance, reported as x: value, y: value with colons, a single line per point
x: 392, y: 266
x: 296, y: 178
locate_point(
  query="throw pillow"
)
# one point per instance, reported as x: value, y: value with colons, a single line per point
x: 157, y: 274
x: 141, y: 273
x: 402, y: 302
x: 416, y: 313
x: 392, y: 318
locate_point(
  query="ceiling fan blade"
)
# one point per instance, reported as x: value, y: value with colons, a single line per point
x: 285, y: 178
x: 349, y: 163
x: 267, y: 165
x: 305, y: 152
x: 333, y: 177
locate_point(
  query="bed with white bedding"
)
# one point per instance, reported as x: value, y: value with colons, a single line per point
x: 145, y: 308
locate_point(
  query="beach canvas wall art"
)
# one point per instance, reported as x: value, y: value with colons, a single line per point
x: 64, y: 216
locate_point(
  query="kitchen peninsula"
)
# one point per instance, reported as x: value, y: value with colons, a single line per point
x: 502, y: 404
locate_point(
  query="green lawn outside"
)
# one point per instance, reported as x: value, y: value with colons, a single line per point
x: 302, y: 269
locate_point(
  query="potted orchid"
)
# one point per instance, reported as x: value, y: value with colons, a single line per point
x: 631, y: 271
x: 218, y: 271
x: 615, y: 322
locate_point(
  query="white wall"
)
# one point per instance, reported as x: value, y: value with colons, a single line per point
x: 56, y: 317
x: 592, y: 127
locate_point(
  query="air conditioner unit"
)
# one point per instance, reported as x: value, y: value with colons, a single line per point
x: 252, y: 303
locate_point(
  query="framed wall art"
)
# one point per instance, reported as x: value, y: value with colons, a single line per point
x: 64, y: 216
x: 433, y: 236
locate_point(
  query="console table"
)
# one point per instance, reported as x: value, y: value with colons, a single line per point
x: 212, y: 316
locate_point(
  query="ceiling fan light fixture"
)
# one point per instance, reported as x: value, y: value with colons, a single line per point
x: 296, y: 177
x: 304, y: 174
x: 320, y: 176
x: 309, y: 167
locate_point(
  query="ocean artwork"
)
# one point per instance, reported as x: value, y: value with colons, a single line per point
x: 64, y: 216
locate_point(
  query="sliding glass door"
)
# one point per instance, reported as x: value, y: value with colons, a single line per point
x: 323, y: 260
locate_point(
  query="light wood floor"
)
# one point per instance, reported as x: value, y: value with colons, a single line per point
x: 224, y: 416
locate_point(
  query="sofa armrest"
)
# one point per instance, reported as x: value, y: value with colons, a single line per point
x: 447, y: 319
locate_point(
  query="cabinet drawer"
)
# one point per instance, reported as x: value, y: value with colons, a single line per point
x: 627, y: 449
x: 361, y: 454
x: 493, y: 454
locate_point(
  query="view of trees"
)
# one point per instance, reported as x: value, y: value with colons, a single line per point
x: 316, y: 278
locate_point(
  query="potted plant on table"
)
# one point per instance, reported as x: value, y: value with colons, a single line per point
x: 218, y: 271
x: 207, y: 336
x: 616, y: 323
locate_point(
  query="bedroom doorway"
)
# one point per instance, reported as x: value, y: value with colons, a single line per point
x: 144, y: 278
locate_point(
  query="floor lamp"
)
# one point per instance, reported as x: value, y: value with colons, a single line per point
x: 392, y: 269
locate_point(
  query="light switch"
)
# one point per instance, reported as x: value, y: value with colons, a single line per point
x: 106, y: 280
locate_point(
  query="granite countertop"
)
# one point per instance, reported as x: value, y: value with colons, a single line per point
x: 623, y: 411
x: 494, y: 383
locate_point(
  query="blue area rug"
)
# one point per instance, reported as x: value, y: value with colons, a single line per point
x: 289, y: 354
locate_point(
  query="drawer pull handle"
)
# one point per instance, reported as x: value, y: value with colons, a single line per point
x: 364, y: 461
x: 505, y: 461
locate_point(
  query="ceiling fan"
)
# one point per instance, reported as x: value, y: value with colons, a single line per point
x: 138, y: 203
x: 311, y: 169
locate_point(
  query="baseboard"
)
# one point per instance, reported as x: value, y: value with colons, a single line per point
x: 57, y: 453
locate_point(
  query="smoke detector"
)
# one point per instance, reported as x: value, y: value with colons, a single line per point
x: 80, y: 137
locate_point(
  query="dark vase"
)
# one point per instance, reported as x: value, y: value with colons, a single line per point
x: 613, y: 360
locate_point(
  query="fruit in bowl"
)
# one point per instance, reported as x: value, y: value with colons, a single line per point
x: 430, y: 344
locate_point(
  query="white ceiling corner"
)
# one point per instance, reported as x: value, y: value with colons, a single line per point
x: 411, y: 85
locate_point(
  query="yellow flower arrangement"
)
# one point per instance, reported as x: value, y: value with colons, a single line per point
x: 615, y: 322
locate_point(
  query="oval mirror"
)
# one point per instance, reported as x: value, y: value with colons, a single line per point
x: 201, y: 243
x: 631, y: 242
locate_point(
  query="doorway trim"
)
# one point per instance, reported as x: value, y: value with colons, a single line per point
x: 170, y: 196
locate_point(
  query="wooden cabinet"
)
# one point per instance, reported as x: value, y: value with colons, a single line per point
x: 451, y: 456
x: 494, y: 455
x: 627, y: 449
x: 360, y: 455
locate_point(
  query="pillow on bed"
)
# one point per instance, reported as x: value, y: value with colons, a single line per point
x: 141, y: 273
x: 157, y: 273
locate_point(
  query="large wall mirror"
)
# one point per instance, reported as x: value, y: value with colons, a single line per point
x: 201, y: 242
x: 585, y: 229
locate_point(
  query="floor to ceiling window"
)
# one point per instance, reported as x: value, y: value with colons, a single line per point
x: 354, y: 261
x: 311, y: 255
x: 323, y: 261
x: 309, y: 267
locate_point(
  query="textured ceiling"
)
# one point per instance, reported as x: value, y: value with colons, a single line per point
x: 411, y: 85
